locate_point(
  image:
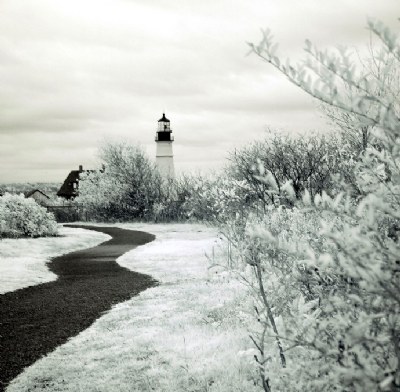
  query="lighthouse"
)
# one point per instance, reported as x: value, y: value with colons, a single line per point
x: 164, y: 155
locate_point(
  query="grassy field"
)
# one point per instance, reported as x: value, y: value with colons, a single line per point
x: 23, y: 261
x: 187, y: 334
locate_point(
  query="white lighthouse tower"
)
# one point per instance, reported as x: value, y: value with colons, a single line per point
x: 164, y: 155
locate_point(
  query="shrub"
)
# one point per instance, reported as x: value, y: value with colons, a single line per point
x: 217, y: 199
x: 21, y: 217
x: 172, y: 205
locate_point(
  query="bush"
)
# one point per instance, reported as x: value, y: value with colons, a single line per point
x: 217, y: 199
x: 171, y: 207
x: 21, y: 217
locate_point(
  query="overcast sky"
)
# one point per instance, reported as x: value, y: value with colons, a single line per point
x: 76, y: 72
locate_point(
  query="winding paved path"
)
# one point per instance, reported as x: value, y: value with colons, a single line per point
x: 37, y: 319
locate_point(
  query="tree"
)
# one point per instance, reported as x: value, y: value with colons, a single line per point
x: 127, y: 188
x: 306, y: 162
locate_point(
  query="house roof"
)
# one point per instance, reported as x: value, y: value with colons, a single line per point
x: 67, y: 188
x: 30, y: 193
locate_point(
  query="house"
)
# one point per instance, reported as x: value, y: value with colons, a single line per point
x: 39, y: 196
x: 69, y: 189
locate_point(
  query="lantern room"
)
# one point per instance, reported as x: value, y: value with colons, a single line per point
x: 164, y: 131
x: 164, y: 124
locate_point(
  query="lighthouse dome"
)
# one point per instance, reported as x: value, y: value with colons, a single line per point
x: 163, y: 118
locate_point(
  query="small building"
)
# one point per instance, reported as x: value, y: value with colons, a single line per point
x: 69, y: 189
x: 39, y: 196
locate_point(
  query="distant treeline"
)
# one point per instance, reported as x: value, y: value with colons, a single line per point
x: 49, y: 188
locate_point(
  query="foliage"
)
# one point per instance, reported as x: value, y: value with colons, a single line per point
x: 217, y: 199
x: 325, y: 275
x: 21, y: 217
x: 381, y: 69
x: 126, y: 189
x: 292, y: 163
x: 174, y: 195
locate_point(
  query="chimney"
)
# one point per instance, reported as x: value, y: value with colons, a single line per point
x: 80, y: 168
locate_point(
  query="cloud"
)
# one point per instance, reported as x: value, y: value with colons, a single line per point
x: 73, y: 73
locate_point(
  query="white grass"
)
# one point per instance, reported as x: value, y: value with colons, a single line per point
x: 186, y: 334
x: 23, y: 261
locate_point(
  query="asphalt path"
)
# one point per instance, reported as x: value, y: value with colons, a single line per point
x: 37, y: 319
